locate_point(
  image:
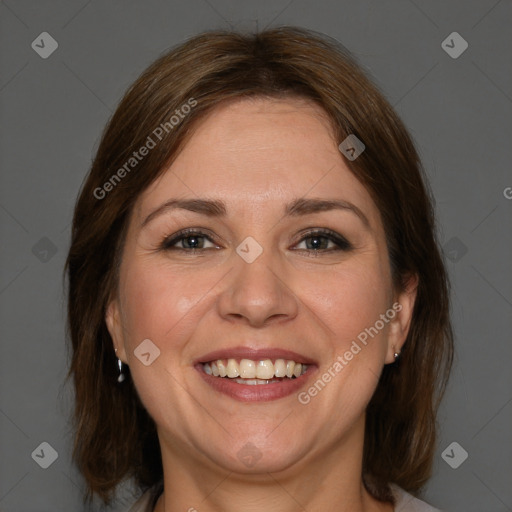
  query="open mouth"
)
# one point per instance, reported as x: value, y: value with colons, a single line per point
x: 254, y: 372
x: 250, y: 375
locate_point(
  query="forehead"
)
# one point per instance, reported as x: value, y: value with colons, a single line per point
x: 243, y: 119
x: 262, y: 130
x: 260, y: 150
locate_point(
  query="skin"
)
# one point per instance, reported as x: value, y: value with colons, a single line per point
x: 257, y: 155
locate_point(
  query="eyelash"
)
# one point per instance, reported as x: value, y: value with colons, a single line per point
x: 341, y: 243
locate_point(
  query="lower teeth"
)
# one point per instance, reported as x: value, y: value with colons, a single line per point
x: 254, y: 382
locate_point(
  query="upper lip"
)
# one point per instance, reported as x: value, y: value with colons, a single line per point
x: 255, y: 354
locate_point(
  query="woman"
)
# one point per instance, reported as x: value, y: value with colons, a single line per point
x: 258, y: 308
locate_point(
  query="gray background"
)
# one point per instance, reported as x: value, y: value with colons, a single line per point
x: 53, y: 111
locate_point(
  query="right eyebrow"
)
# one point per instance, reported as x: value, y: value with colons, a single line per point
x: 211, y: 208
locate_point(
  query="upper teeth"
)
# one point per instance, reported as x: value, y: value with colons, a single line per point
x: 248, y: 369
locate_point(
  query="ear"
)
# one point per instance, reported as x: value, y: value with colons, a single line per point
x: 400, y: 324
x: 115, y: 328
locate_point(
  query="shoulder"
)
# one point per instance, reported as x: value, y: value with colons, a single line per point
x: 146, y: 502
x: 405, y: 502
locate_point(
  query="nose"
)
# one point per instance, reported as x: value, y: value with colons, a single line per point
x: 257, y: 293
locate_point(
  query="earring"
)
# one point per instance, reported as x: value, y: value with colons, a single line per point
x: 396, y: 355
x: 120, y: 378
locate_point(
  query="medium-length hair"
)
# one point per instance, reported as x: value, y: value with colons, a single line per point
x: 115, y: 438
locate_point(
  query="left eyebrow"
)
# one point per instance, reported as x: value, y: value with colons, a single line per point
x: 302, y: 206
x: 217, y: 208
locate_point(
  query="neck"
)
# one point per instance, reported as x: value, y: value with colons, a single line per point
x: 330, y: 480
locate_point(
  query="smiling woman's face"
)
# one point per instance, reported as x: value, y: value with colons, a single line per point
x: 256, y: 280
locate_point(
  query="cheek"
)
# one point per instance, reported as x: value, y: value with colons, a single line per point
x: 161, y: 305
x: 347, y: 304
x: 164, y: 306
x: 348, y: 301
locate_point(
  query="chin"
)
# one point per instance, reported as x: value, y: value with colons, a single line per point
x: 256, y: 456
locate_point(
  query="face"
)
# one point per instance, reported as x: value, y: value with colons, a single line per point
x: 257, y: 248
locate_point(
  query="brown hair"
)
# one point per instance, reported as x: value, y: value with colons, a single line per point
x: 114, y: 436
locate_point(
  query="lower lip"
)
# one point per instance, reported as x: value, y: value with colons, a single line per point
x: 258, y: 392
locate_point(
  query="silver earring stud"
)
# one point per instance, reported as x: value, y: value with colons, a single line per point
x: 120, y: 378
x: 396, y: 355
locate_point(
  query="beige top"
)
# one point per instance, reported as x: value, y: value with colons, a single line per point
x: 404, y: 502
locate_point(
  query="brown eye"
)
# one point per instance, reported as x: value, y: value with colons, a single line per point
x: 324, y: 241
x: 188, y: 240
